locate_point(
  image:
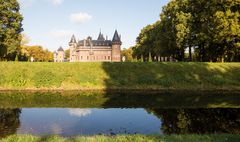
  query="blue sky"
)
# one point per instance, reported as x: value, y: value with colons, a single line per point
x: 51, y: 23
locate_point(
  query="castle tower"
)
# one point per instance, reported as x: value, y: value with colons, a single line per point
x: 116, y: 47
x: 55, y: 56
x: 60, y: 55
x: 72, y: 48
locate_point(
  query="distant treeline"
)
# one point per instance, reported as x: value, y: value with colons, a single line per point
x: 193, y: 30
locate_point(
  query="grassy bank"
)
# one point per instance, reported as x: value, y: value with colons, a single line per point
x: 110, y: 76
x: 130, y: 138
x: 174, y: 100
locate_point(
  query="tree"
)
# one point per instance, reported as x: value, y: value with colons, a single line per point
x: 128, y: 54
x: 10, y: 28
x: 150, y: 58
x: 38, y: 53
x: 211, y: 28
x: 67, y: 54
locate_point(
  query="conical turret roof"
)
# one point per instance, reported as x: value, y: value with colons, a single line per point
x: 73, y: 39
x: 101, y: 37
x: 116, y: 37
x: 60, y: 49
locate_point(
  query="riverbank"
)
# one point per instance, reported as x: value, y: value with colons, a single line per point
x: 118, y: 76
x: 128, y: 138
x: 76, y: 99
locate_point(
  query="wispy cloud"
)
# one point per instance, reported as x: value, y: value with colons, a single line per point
x: 80, y: 17
x: 57, y: 2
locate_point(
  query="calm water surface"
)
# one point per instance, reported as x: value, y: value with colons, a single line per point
x: 71, y: 115
x: 70, y: 122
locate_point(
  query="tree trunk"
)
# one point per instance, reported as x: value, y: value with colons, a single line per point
x: 190, y: 53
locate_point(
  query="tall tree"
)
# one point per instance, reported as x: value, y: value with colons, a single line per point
x: 10, y: 28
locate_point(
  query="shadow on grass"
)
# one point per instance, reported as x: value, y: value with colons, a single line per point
x: 195, y: 78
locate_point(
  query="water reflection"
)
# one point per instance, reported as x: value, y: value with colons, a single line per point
x: 9, y: 121
x: 198, y: 121
x: 79, y: 112
x: 70, y: 122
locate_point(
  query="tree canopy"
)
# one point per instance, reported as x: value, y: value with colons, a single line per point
x: 10, y: 28
x: 208, y: 29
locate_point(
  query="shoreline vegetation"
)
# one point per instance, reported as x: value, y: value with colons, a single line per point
x: 127, y: 138
x: 168, y: 100
x: 18, y: 76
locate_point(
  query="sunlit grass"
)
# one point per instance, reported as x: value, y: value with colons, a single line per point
x: 100, y: 76
x: 127, y: 138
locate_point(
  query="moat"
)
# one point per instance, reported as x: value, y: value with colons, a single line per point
x: 71, y: 114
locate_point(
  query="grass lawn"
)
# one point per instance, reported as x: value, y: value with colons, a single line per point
x: 129, y: 138
x: 113, y: 76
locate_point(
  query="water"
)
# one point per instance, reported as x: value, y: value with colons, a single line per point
x: 79, y: 114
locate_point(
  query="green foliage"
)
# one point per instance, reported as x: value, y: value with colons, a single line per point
x: 10, y: 28
x: 67, y: 54
x: 37, y: 52
x: 128, y: 54
x: 211, y: 28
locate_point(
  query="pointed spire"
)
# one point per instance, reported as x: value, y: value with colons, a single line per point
x: 60, y: 48
x: 116, y: 38
x: 73, y: 39
x: 101, y: 37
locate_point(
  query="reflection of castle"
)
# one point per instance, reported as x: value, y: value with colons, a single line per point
x: 100, y: 50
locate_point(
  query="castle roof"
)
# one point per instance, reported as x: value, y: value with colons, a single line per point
x: 116, y: 37
x: 60, y: 49
x: 96, y: 43
x: 73, y: 39
x: 101, y: 41
x: 101, y: 37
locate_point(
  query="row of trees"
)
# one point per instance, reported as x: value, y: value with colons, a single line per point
x: 204, y: 30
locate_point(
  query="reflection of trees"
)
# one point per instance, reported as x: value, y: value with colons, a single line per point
x: 199, y: 120
x: 9, y: 121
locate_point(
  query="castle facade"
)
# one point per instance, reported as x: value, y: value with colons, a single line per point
x: 100, y: 50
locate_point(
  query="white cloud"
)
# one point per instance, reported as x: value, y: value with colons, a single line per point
x: 57, y: 2
x: 80, y: 18
x: 60, y: 33
x: 80, y: 112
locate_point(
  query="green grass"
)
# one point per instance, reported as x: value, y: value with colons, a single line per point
x: 110, y: 76
x: 76, y: 99
x: 128, y: 138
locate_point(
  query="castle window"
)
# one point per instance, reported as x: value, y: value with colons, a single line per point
x: 105, y: 58
x: 109, y: 58
x: 81, y: 57
x: 87, y: 58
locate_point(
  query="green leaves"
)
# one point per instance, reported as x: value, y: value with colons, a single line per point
x: 212, y: 28
x: 10, y: 27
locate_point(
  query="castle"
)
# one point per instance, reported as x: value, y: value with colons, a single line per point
x: 89, y: 50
